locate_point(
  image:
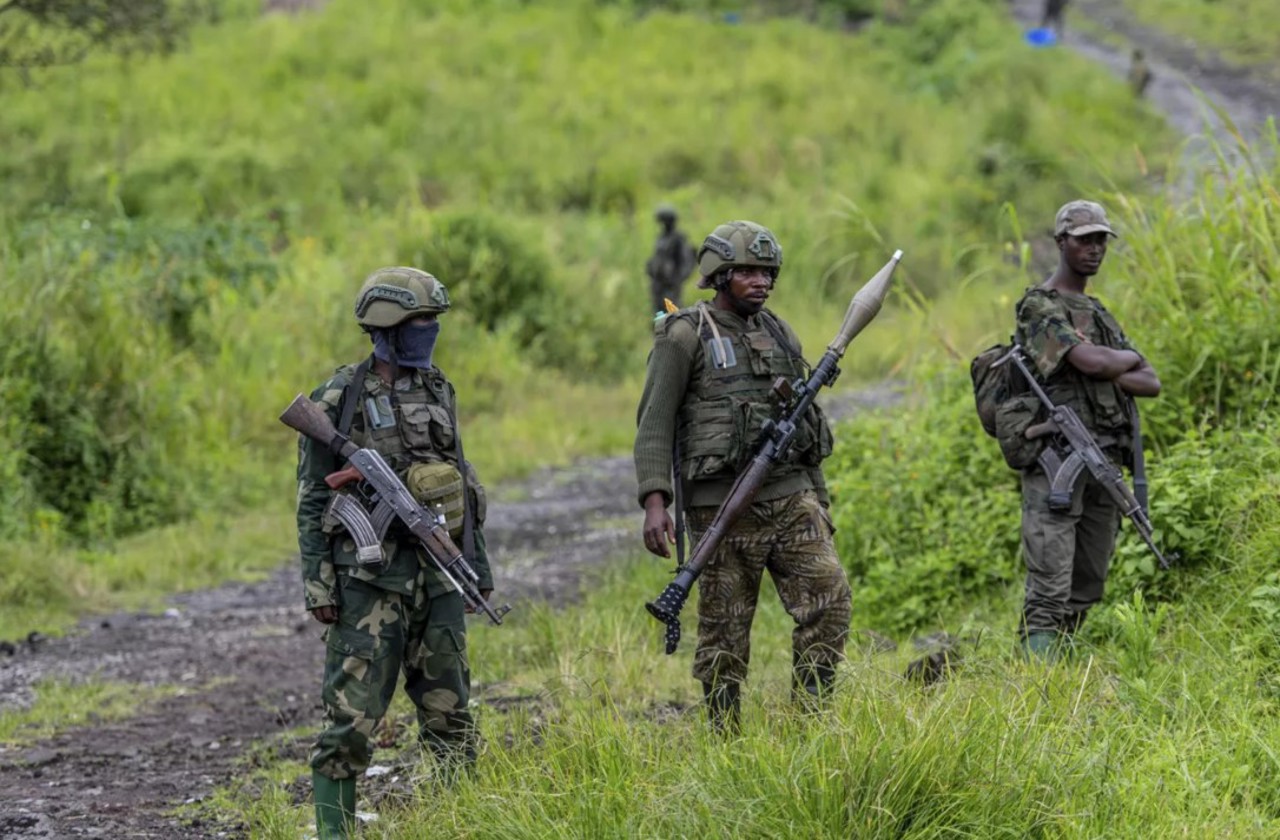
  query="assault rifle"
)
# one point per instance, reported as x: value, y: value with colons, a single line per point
x: 778, y: 435
x: 391, y: 501
x: 1081, y: 452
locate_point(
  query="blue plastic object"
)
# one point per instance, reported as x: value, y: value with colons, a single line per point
x: 1040, y: 37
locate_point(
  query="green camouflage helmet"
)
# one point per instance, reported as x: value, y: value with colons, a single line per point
x: 392, y: 295
x: 664, y: 212
x: 738, y: 243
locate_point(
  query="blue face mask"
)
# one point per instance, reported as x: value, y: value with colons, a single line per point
x: 409, y: 345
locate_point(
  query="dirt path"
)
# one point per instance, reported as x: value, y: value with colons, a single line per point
x: 1247, y: 96
x: 247, y: 661
x: 246, y: 658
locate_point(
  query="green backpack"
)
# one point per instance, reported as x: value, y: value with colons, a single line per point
x: 991, y: 386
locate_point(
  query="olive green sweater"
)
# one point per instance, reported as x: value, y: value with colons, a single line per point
x: 675, y: 361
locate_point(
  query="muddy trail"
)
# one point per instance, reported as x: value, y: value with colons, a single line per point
x: 240, y: 664
x: 1184, y: 75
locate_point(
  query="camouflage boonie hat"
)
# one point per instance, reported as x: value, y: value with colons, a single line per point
x: 391, y: 295
x: 1080, y: 218
x: 738, y: 243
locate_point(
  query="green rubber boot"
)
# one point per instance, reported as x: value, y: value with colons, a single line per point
x: 335, y: 807
x: 1042, y: 645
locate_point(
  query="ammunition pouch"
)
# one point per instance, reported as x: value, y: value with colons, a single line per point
x: 437, y: 486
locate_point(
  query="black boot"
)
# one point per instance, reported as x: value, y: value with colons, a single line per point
x: 723, y: 706
x: 811, y: 682
x: 455, y: 754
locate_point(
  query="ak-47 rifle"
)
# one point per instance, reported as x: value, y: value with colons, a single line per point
x: 390, y: 500
x: 1077, y: 451
x: 775, y: 443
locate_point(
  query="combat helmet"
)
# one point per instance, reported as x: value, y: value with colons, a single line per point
x: 738, y: 243
x: 664, y: 213
x: 391, y: 295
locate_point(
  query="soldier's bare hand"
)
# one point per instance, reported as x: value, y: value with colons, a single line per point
x: 484, y: 593
x: 327, y: 614
x: 659, y: 530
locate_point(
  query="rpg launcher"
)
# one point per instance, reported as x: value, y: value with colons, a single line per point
x: 775, y: 443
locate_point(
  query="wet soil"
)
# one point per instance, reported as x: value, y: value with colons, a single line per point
x: 246, y: 658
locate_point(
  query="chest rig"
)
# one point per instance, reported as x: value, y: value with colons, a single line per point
x: 413, y: 425
x: 730, y: 395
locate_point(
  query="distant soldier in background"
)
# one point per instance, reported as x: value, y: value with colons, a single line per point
x: 1052, y: 16
x: 1139, y: 73
x: 671, y: 263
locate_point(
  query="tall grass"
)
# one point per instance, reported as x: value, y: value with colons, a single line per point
x: 182, y: 236
x: 1241, y: 30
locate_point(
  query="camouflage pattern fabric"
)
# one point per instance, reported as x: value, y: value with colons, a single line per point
x: 398, y: 617
x: 668, y: 267
x: 424, y: 432
x: 1067, y: 554
x: 791, y: 538
x: 379, y: 634
x: 1049, y: 324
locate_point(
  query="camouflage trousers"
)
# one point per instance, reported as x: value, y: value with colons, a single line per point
x: 380, y: 633
x: 1067, y: 554
x: 791, y: 538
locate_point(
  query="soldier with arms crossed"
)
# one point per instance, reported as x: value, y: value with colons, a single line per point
x: 1084, y: 360
x: 708, y: 390
x: 399, y: 614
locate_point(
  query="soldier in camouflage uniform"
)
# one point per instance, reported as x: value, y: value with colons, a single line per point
x: 709, y: 390
x: 1084, y: 360
x: 671, y: 262
x: 397, y: 615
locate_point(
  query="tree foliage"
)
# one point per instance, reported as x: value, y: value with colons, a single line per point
x: 48, y: 33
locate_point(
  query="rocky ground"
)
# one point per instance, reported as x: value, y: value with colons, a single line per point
x: 246, y: 658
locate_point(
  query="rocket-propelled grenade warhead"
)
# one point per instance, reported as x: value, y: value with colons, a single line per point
x: 865, y: 305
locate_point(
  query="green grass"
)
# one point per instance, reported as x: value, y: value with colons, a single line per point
x: 60, y: 704
x: 1160, y: 728
x: 182, y: 236
x: 1239, y: 30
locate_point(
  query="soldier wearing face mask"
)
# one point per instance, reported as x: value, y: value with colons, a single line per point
x: 398, y: 615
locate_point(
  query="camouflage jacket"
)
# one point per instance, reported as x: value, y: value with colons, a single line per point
x: 425, y: 430
x: 1050, y: 323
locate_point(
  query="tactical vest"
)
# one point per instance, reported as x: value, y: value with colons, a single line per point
x: 416, y: 427
x: 1101, y: 405
x: 721, y: 419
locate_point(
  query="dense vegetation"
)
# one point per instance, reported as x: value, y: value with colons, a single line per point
x: 182, y: 236
x: 179, y: 246
x: 1163, y: 723
x: 1239, y: 30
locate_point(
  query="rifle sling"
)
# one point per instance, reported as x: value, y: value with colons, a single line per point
x: 349, y: 399
x: 468, y: 510
x: 1139, y: 459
